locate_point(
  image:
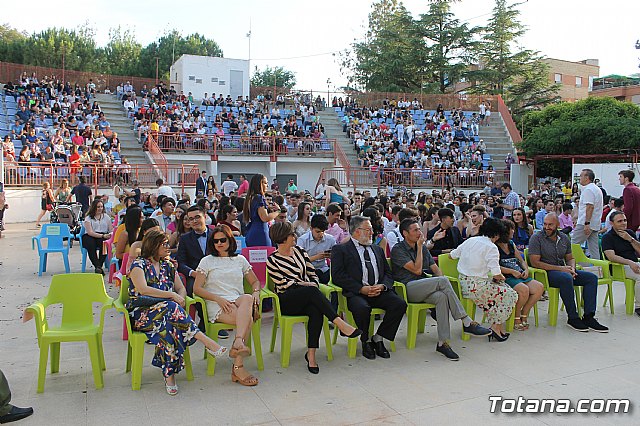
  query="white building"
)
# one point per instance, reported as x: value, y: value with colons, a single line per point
x: 207, y: 74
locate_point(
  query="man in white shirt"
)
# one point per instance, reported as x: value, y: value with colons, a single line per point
x: 228, y: 186
x: 165, y: 190
x: 589, y: 214
x: 321, y: 188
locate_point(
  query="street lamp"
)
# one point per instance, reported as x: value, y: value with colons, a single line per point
x: 328, y: 83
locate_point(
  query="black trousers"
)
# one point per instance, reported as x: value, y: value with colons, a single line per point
x: 324, y: 278
x: 309, y: 301
x: 394, y: 307
x: 94, y: 250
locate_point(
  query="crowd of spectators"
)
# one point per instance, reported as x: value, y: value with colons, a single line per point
x: 259, y: 124
x: 404, y: 135
x: 45, y: 122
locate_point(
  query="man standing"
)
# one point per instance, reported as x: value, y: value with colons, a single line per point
x: 165, y: 190
x: 321, y: 188
x: 82, y: 193
x: 551, y: 250
x: 291, y: 187
x: 244, y: 185
x: 201, y: 185
x: 228, y: 186
x: 631, y: 199
x: 359, y: 267
x: 589, y: 214
x: 620, y: 245
x: 511, y: 200
x: 410, y: 260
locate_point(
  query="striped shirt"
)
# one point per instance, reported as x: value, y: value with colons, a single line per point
x: 286, y: 271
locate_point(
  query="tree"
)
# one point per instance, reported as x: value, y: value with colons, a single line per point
x: 450, y: 47
x: 52, y: 46
x: 507, y: 69
x: 276, y: 76
x: 122, y: 53
x: 11, y: 44
x: 392, y: 55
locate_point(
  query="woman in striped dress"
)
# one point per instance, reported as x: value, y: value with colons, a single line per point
x: 296, y: 285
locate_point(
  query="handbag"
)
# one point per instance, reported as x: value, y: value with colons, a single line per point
x: 255, y: 312
x: 49, y: 207
x: 511, y: 263
x: 147, y: 301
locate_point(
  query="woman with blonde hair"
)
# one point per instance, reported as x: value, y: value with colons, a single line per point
x: 333, y: 193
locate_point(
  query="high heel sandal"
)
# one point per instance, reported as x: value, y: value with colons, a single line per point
x: 524, y: 320
x: 519, y: 326
x: 243, y: 351
x: 495, y: 336
x: 250, y: 380
x: 217, y: 354
x: 171, y: 389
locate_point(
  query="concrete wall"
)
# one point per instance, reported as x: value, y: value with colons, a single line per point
x: 569, y: 91
x: 205, y: 74
x: 608, y: 175
x: 521, y: 178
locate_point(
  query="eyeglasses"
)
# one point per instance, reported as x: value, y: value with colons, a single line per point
x: 366, y: 229
x: 166, y: 244
x: 193, y: 218
x: 219, y: 240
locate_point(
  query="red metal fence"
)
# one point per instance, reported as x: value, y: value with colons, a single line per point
x: 508, y: 121
x: 411, y: 178
x: 99, y: 175
x: 215, y: 146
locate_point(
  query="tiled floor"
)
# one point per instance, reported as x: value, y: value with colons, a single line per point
x: 413, y: 387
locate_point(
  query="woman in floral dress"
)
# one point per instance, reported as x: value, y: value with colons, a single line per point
x: 156, y: 307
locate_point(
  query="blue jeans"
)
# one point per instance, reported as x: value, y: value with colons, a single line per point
x: 565, y: 282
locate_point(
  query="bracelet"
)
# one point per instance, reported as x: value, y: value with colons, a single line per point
x: 256, y: 291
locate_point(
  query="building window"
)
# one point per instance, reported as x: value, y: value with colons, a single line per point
x: 198, y: 81
x: 222, y: 82
x: 192, y: 78
x: 578, y: 81
x: 558, y: 78
x: 214, y: 79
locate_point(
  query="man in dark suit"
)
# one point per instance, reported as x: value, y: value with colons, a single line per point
x: 201, y: 185
x: 452, y: 237
x: 359, y: 267
x: 191, y: 249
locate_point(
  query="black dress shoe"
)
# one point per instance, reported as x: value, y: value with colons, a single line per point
x: 368, y: 350
x: 16, y: 413
x: 381, y: 351
x: 312, y: 370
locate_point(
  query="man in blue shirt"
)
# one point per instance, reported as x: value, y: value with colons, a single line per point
x: 548, y: 208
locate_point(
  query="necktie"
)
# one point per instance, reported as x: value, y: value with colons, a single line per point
x: 371, y: 277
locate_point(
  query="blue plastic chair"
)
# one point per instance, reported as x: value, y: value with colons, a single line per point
x: 85, y: 253
x: 54, y: 233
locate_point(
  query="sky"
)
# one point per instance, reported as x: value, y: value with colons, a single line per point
x: 307, y: 37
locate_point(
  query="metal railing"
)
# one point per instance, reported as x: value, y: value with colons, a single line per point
x: 97, y: 175
x: 271, y: 146
x: 412, y: 178
x: 508, y: 121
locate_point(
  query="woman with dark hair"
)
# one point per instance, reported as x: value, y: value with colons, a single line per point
x: 229, y: 217
x: 211, y: 184
x: 220, y: 280
x: 132, y: 222
x: 333, y: 193
x: 210, y: 218
x: 373, y: 214
x: 134, y: 251
x: 523, y: 230
x: 481, y: 279
x: 256, y: 213
x: 46, y: 201
x: 224, y: 201
x: 431, y: 220
x: 302, y: 224
x: 296, y: 285
x: 516, y: 272
x: 156, y: 307
x: 98, y: 228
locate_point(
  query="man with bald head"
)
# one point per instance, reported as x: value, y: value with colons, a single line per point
x: 551, y: 250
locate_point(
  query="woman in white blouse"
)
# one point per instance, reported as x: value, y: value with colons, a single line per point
x: 479, y: 257
x: 219, y: 280
x: 98, y: 228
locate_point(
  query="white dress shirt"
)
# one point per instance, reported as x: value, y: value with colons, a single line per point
x: 478, y: 256
x: 374, y: 261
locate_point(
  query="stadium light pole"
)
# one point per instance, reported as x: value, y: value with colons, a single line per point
x: 328, y: 83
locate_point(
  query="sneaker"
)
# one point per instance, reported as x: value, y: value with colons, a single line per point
x: 446, y: 350
x: 593, y: 324
x: 223, y: 334
x: 638, y: 312
x: 577, y: 324
x: 476, y: 329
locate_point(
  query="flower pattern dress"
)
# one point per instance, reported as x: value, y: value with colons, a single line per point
x: 166, y: 324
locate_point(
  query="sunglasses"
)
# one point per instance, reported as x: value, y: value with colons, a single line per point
x: 219, y: 240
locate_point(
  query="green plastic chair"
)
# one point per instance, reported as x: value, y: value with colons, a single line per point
x: 286, y: 323
x: 352, y: 344
x: 618, y: 274
x: 77, y: 293
x: 136, y: 342
x: 449, y: 268
x: 212, y: 330
x: 580, y: 257
x: 416, y: 315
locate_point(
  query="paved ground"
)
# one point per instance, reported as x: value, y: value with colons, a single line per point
x: 413, y: 387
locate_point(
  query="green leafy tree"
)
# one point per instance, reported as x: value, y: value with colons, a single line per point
x: 52, y: 46
x: 122, y: 53
x: 276, y: 76
x: 591, y: 126
x: 450, y: 47
x: 507, y: 69
x: 11, y: 44
x: 392, y: 55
